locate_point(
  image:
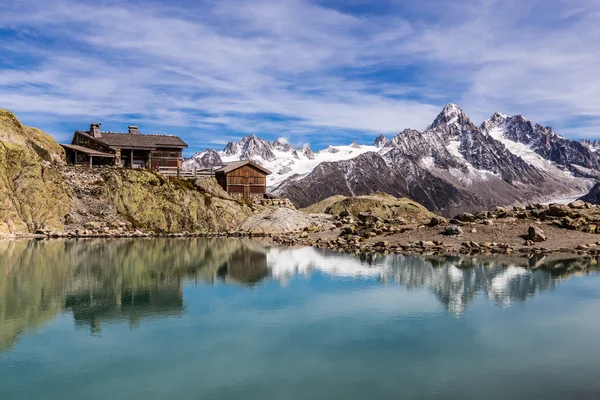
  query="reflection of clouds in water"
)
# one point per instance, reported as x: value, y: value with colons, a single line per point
x: 454, y: 287
x: 284, y: 262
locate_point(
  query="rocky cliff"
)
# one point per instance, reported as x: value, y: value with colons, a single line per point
x: 32, y: 194
x: 38, y: 192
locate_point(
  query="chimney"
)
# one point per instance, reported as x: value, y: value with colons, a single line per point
x: 133, y: 130
x: 95, y: 130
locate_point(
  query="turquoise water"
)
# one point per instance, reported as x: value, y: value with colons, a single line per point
x: 228, y: 319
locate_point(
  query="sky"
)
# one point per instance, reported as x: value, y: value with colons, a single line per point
x: 313, y: 72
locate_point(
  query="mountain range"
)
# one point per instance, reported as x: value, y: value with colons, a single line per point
x: 452, y: 166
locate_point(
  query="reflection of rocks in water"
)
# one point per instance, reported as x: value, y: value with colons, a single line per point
x: 93, y: 309
x: 246, y: 266
x: 104, y: 281
x: 31, y: 287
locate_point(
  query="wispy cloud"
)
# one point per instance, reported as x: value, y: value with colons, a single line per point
x: 211, y: 70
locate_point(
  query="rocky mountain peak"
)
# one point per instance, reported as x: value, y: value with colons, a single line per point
x: 380, y: 141
x: 255, y: 147
x: 451, y: 115
x: 355, y: 145
x: 251, y: 147
x: 204, y: 159
x: 232, y: 148
x: 282, y: 145
x: 308, y: 153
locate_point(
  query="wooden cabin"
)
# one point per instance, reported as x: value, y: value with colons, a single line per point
x: 244, y: 178
x: 126, y: 149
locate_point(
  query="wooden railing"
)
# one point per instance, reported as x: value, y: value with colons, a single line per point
x: 186, y: 173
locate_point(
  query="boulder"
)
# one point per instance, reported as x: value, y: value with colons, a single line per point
x: 436, y: 221
x: 453, y: 230
x: 279, y: 221
x: 535, y: 234
x: 558, y: 210
x: 465, y: 217
x: 577, y: 204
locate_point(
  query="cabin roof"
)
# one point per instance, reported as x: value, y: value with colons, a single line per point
x: 137, y: 141
x: 87, y: 150
x: 227, y: 168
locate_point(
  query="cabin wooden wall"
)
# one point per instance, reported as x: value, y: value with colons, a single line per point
x: 165, y: 157
x: 246, y: 180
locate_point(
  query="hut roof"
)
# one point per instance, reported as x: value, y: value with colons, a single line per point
x: 227, y: 168
x: 137, y: 141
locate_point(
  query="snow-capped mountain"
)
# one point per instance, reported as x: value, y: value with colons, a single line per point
x: 283, y: 160
x: 380, y: 141
x: 203, y: 159
x: 453, y: 165
x: 541, y: 146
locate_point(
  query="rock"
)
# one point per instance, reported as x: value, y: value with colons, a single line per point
x: 93, y: 225
x: 436, y: 221
x: 278, y: 221
x: 426, y: 243
x: 577, y: 204
x: 349, y: 230
x: 558, y: 210
x: 344, y: 214
x: 304, y: 235
x: 453, y: 230
x: 473, y: 230
x: 465, y: 217
x: 535, y: 234
x: 383, y: 243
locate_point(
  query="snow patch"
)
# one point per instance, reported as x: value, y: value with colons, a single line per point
x: 521, y: 150
x: 302, y: 165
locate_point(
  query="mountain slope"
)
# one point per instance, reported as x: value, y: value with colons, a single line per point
x: 529, y: 140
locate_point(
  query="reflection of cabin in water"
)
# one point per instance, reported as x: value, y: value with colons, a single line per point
x: 131, y: 149
x: 245, y: 266
x: 127, y: 305
x: 244, y: 178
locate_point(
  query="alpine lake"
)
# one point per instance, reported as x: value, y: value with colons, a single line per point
x: 237, y: 319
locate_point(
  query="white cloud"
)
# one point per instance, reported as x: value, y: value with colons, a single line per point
x: 296, y: 68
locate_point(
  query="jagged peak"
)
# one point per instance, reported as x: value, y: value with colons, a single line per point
x: 355, y: 145
x: 451, y: 114
x: 282, y: 144
x: 380, y: 141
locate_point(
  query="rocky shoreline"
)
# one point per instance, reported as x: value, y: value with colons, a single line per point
x: 529, y: 231
x: 532, y: 230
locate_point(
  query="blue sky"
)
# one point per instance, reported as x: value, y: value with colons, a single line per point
x: 317, y: 72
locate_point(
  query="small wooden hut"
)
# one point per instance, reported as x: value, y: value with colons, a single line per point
x: 244, y: 178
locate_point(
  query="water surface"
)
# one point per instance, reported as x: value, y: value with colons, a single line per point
x: 232, y: 319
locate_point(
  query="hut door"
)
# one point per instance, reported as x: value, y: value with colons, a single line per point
x: 246, y: 190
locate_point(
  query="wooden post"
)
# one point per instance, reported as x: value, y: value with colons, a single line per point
x: 91, y: 160
x: 75, y: 160
x: 195, y: 173
x: 178, y: 172
x: 131, y: 160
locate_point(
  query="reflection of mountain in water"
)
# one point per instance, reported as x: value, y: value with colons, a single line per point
x: 457, y: 287
x: 455, y: 281
x: 102, y: 282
